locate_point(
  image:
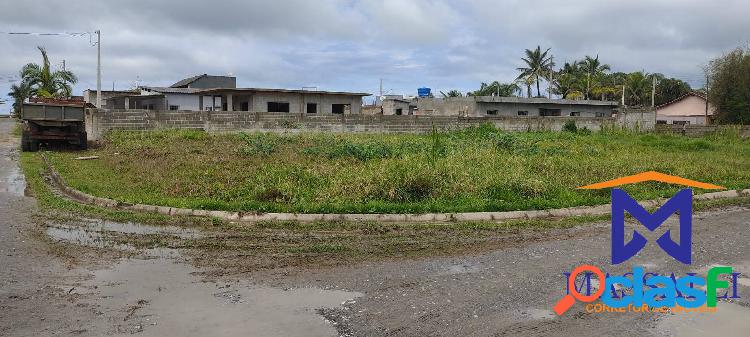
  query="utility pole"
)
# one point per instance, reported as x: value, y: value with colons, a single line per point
x: 623, y: 95
x: 98, y: 69
x: 551, y: 71
x: 707, y: 98
x: 63, y: 65
x: 653, y: 100
x: 379, y: 99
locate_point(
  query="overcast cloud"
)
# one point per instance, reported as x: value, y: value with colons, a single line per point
x: 349, y: 45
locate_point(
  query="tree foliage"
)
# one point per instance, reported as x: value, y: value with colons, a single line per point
x: 46, y: 82
x: 451, y: 93
x: 497, y: 89
x: 39, y: 80
x: 729, y: 87
x: 669, y: 89
x: 538, y: 66
x: 19, y: 93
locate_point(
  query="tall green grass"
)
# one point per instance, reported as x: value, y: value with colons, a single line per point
x: 475, y: 169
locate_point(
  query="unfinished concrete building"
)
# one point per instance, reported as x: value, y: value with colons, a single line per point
x: 219, y: 93
x: 480, y: 106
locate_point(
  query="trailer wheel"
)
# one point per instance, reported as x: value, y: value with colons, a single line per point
x: 27, y: 144
x: 33, y: 145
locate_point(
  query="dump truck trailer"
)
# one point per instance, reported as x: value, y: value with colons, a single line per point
x: 45, y: 122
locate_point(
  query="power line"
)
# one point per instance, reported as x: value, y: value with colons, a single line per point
x: 49, y: 34
x: 97, y: 43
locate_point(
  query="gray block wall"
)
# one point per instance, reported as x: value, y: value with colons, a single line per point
x: 98, y: 122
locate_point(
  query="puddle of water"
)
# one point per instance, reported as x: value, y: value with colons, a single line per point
x: 97, y: 237
x: 12, y: 182
x: 136, y: 228
x: 174, y: 302
x: 729, y: 320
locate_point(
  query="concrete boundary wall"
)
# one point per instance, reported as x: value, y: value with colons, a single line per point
x: 99, y: 121
x: 702, y: 130
x: 251, y: 217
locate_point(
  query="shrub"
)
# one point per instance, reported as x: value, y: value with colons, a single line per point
x: 271, y: 194
x: 506, y: 141
x: 570, y: 126
x: 361, y: 151
x: 259, y: 143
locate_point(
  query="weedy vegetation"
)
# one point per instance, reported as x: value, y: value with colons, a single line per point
x: 476, y: 169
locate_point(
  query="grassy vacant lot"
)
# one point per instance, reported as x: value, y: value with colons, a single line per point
x: 478, y: 169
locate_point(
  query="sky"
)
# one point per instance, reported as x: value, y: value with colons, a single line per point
x: 349, y: 45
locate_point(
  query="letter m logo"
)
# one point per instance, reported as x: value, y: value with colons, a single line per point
x: 681, y: 202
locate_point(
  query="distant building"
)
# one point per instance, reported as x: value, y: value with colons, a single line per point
x: 688, y: 109
x: 206, y: 81
x: 89, y: 95
x: 220, y: 93
x: 480, y: 106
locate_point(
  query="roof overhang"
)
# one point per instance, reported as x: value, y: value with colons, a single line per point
x: 523, y: 100
x: 288, y: 91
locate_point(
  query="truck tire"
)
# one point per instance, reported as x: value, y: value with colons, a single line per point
x: 27, y: 144
x: 33, y: 145
x: 82, y: 141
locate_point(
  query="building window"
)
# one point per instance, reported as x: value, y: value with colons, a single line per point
x: 245, y: 106
x: 340, y: 108
x: 575, y: 114
x: 661, y: 122
x: 492, y: 112
x: 599, y: 114
x: 278, y: 107
x: 312, y: 108
x: 174, y: 107
x: 681, y: 122
x: 399, y: 112
x: 546, y: 112
x: 523, y: 113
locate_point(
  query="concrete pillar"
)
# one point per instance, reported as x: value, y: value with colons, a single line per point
x: 200, y: 103
x: 127, y: 103
x: 230, y: 101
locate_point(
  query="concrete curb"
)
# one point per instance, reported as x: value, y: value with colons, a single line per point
x: 393, y: 218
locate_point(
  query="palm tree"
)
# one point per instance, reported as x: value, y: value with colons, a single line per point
x: 20, y: 92
x: 593, y: 69
x: 568, y: 81
x: 538, y: 65
x: 497, y: 89
x: 451, y: 93
x: 526, y: 81
x: 45, y: 82
x: 638, y: 88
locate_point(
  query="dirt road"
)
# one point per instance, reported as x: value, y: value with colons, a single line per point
x: 157, y: 292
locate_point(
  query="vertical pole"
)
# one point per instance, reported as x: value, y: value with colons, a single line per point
x: 63, y: 64
x: 653, y: 99
x: 623, y: 95
x: 98, y: 69
x: 707, y: 121
x: 549, y: 83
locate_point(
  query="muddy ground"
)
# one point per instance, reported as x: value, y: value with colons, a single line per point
x: 89, y: 277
